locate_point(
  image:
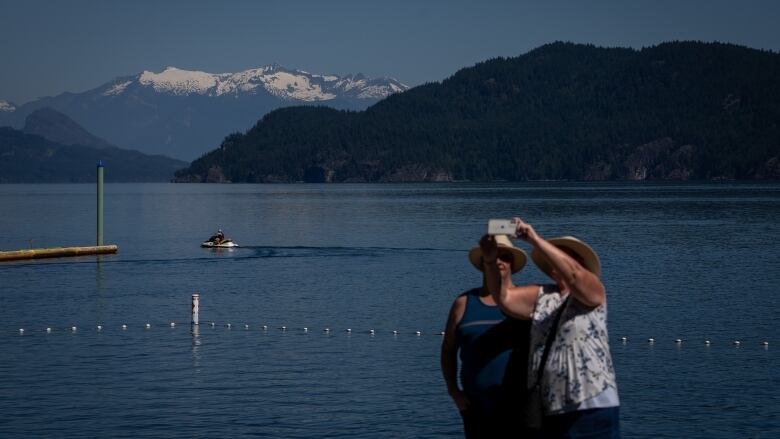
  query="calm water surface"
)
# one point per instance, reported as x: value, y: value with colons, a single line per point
x: 690, y: 261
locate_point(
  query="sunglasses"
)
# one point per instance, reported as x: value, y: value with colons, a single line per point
x: 506, y: 257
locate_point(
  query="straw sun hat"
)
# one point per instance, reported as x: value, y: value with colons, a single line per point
x: 590, y: 260
x: 504, y: 244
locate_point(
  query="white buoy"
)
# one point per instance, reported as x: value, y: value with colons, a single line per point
x: 678, y: 341
x: 371, y: 331
x: 418, y: 333
x: 246, y: 326
x: 148, y: 326
x: 73, y: 328
x: 305, y: 329
x: 441, y: 333
x: 737, y: 342
x: 195, y: 308
x: 100, y: 328
x: 265, y: 327
x: 651, y: 340
x: 228, y: 325
x: 624, y: 339
x: 173, y: 325
x: 349, y: 330
x: 213, y: 324
x: 327, y: 329
x: 124, y: 327
x: 48, y: 329
x: 766, y: 343
x: 21, y: 331
x: 395, y: 332
x: 707, y: 342
x: 284, y: 328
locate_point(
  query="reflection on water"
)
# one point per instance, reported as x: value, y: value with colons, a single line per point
x: 195, y: 332
x: 221, y: 250
x: 99, y: 276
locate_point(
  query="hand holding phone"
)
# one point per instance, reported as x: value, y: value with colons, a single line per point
x: 502, y: 227
x: 524, y: 231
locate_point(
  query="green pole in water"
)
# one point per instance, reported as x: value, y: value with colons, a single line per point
x: 100, y: 202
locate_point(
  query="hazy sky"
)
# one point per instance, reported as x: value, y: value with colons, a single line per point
x: 49, y: 47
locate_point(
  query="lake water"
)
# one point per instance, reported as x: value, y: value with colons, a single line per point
x: 680, y: 261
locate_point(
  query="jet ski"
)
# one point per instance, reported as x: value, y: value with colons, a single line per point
x: 213, y: 242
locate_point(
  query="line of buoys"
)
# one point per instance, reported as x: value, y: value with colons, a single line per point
x: 624, y: 339
x: 124, y: 327
x: 680, y: 341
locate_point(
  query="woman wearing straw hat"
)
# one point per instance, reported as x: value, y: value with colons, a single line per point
x: 575, y: 378
x: 493, y: 351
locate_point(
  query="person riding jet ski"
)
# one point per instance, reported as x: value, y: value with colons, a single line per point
x: 218, y: 240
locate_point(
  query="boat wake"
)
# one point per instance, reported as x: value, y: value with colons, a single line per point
x: 253, y: 252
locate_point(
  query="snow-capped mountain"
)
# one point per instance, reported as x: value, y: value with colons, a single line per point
x: 7, y: 107
x: 275, y: 79
x: 185, y: 113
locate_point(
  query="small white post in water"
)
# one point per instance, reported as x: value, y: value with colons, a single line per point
x: 195, y: 306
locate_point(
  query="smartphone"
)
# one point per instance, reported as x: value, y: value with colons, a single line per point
x: 501, y: 227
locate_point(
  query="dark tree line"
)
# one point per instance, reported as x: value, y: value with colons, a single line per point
x: 680, y: 110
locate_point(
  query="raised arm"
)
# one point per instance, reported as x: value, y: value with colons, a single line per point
x: 585, y: 286
x: 515, y: 301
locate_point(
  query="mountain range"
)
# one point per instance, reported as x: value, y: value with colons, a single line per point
x: 183, y: 113
x: 52, y: 148
x: 676, y: 111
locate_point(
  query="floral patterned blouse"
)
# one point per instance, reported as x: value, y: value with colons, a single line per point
x: 579, y: 365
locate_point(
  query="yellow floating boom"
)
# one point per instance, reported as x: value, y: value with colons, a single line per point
x: 57, y: 252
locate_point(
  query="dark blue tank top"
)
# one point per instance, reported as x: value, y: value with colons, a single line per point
x: 493, y: 355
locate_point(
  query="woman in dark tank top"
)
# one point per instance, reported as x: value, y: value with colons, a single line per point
x: 493, y: 353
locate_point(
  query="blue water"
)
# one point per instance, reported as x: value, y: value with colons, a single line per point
x: 690, y: 261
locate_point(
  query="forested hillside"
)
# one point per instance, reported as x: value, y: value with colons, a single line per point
x: 53, y: 148
x: 681, y: 110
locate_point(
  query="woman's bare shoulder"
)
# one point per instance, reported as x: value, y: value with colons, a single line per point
x: 525, y: 289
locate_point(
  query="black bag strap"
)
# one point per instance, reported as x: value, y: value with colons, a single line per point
x: 550, y: 339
